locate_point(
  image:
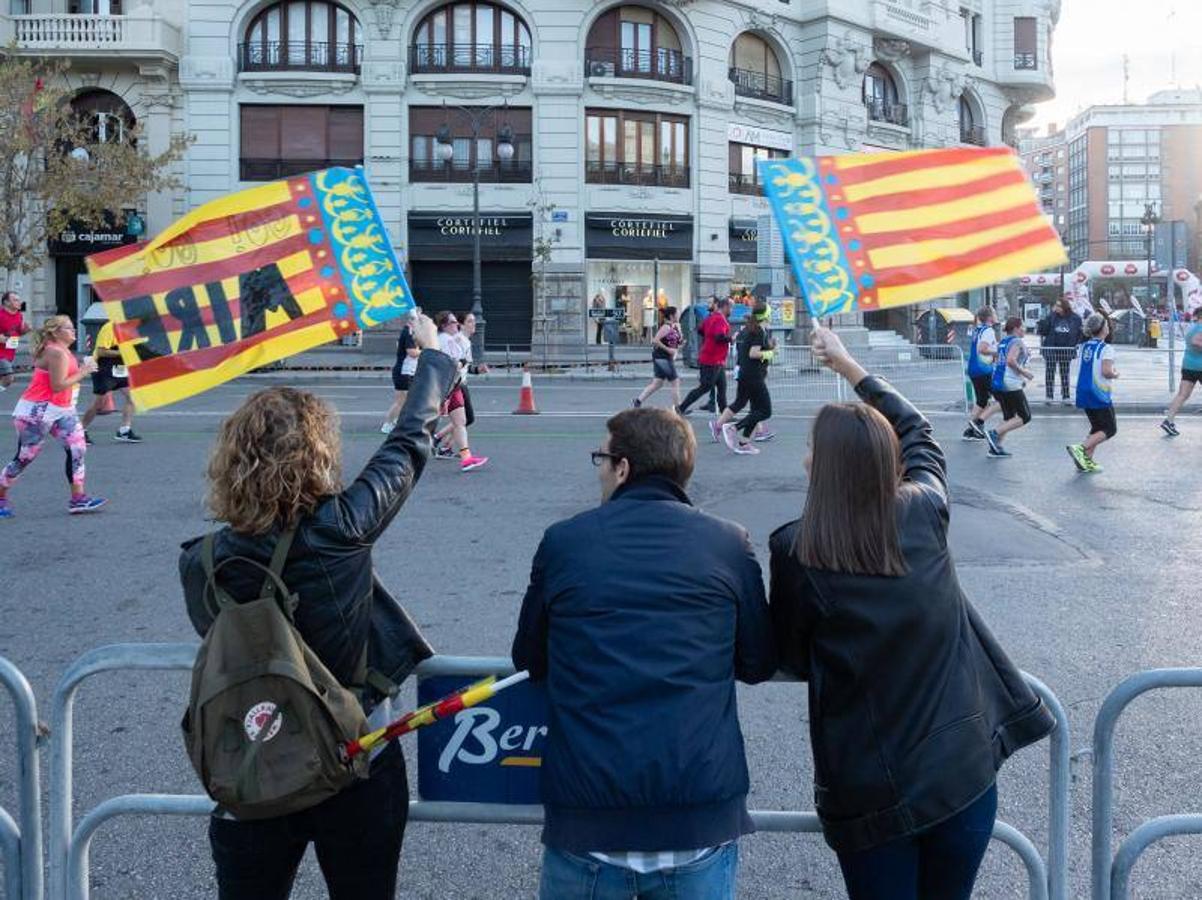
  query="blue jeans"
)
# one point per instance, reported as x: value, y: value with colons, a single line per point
x: 937, y: 864
x: 567, y: 876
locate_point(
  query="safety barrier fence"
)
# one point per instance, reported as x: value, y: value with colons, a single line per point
x: 21, y: 838
x: 1111, y: 876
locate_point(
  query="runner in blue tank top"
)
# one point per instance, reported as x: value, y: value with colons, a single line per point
x: 1191, y: 373
x: 1010, y: 376
x: 1094, y: 393
x: 982, y: 353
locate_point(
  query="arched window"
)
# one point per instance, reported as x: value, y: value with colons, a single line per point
x: 636, y: 42
x: 111, y: 118
x: 471, y: 37
x: 755, y: 70
x: 881, y: 97
x: 304, y: 35
x: 972, y: 131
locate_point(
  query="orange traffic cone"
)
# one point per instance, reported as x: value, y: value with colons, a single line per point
x: 526, y: 398
x: 107, y: 404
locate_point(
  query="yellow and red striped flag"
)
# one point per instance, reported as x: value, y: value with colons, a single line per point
x: 247, y: 280
x: 877, y: 230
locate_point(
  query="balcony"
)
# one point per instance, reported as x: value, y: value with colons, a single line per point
x: 460, y: 172
x: 889, y: 113
x: 972, y: 134
x: 136, y: 36
x: 760, y: 86
x: 745, y: 183
x: 657, y: 65
x: 313, y: 56
x: 484, y: 59
x: 1025, y: 62
x: 645, y: 175
x: 271, y: 169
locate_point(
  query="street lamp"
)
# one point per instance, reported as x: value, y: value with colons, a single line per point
x: 475, y: 117
x: 1148, y: 223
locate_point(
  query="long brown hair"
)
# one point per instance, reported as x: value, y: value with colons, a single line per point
x: 275, y: 459
x: 849, y: 524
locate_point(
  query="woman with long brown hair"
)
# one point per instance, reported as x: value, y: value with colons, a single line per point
x: 47, y: 410
x: 913, y: 706
x: 275, y: 479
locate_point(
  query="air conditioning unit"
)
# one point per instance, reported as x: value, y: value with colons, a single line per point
x: 600, y: 70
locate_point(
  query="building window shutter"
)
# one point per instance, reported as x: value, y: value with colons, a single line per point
x: 346, y: 133
x: 260, y: 132
x: 303, y: 131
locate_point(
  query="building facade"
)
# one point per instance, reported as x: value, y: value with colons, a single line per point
x: 614, y: 143
x: 1045, y: 157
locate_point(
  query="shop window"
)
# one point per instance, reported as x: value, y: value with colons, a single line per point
x: 280, y: 141
x: 636, y: 42
x: 302, y: 35
x: 629, y: 147
x: 471, y: 37
x: 744, y: 177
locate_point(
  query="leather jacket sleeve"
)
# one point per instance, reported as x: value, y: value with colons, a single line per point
x: 923, y: 462
x: 364, y: 509
x: 795, y: 612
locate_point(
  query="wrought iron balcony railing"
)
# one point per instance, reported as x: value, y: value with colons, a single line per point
x: 761, y: 86
x: 299, y: 56
x: 655, y: 65
x: 636, y: 173
x: 468, y: 58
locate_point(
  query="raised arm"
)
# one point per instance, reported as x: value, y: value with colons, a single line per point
x: 365, y: 508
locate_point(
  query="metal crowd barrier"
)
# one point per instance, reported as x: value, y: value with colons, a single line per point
x: 1111, y: 877
x: 69, y: 848
x: 21, y: 839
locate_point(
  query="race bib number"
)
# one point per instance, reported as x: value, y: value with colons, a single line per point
x: 120, y: 371
x: 12, y: 342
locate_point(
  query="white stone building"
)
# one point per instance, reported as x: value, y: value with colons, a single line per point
x: 634, y: 125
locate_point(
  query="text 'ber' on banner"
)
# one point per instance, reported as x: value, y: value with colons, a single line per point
x: 872, y: 231
x: 248, y: 279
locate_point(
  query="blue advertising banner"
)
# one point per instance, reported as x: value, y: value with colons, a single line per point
x: 489, y: 753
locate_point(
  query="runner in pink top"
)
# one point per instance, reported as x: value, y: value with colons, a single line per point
x: 47, y: 409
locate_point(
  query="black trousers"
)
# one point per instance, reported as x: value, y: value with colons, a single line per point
x: 600, y: 325
x: 1057, y: 358
x: 357, y: 835
x: 712, y: 378
x: 469, y: 414
x: 755, y: 393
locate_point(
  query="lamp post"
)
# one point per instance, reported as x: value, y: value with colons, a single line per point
x: 475, y: 116
x: 1148, y: 222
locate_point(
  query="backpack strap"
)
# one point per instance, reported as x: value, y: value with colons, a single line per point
x: 279, y: 557
x: 273, y: 584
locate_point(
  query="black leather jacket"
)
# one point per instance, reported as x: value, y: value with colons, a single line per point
x: 342, y: 604
x: 913, y: 706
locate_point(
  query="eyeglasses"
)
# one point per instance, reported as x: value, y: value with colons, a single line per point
x: 598, y: 456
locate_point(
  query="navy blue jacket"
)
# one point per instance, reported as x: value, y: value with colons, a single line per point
x: 640, y: 615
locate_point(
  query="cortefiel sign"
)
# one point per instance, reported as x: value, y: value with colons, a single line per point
x: 626, y: 236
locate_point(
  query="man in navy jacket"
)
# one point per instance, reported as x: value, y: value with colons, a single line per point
x: 640, y: 615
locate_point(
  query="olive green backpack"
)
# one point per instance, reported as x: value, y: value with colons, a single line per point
x: 266, y: 719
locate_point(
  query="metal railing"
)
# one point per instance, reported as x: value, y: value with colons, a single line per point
x: 636, y: 173
x: 1027, y: 61
x: 299, y: 56
x: 69, y: 849
x: 657, y: 65
x: 1111, y: 877
x: 21, y: 838
x: 745, y: 183
x: 972, y: 134
x: 886, y: 111
x: 250, y: 169
x: 514, y: 171
x: 490, y: 59
x: 761, y: 86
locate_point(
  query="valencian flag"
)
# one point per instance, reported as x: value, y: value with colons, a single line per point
x: 877, y: 230
x: 249, y: 279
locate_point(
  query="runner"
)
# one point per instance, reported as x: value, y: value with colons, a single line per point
x: 1010, y: 376
x: 12, y: 326
x: 755, y: 352
x: 1095, y: 393
x: 47, y: 409
x: 110, y: 377
x: 665, y: 346
x: 467, y: 328
x: 1191, y: 373
x: 982, y: 353
x: 455, y: 406
x: 407, y: 353
x: 716, y: 341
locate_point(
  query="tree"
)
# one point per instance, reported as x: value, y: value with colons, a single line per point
x: 57, y: 166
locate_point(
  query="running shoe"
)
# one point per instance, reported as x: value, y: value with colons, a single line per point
x: 636, y: 402
x: 731, y: 436
x: 1169, y: 428
x: 746, y: 449
x: 709, y: 407
x: 87, y: 439
x: 6, y: 511
x: 765, y: 435
x: 387, y: 427
x: 1077, y: 453
x: 472, y: 462
x: 85, y: 504
x: 970, y: 434
x: 995, y: 443
x: 715, y: 430
x: 681, y: 411
x: 1091, y: 467
x: 978, y: 428
x: 128, y: 436
x: 442, y: 451
x: 998, y: 452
